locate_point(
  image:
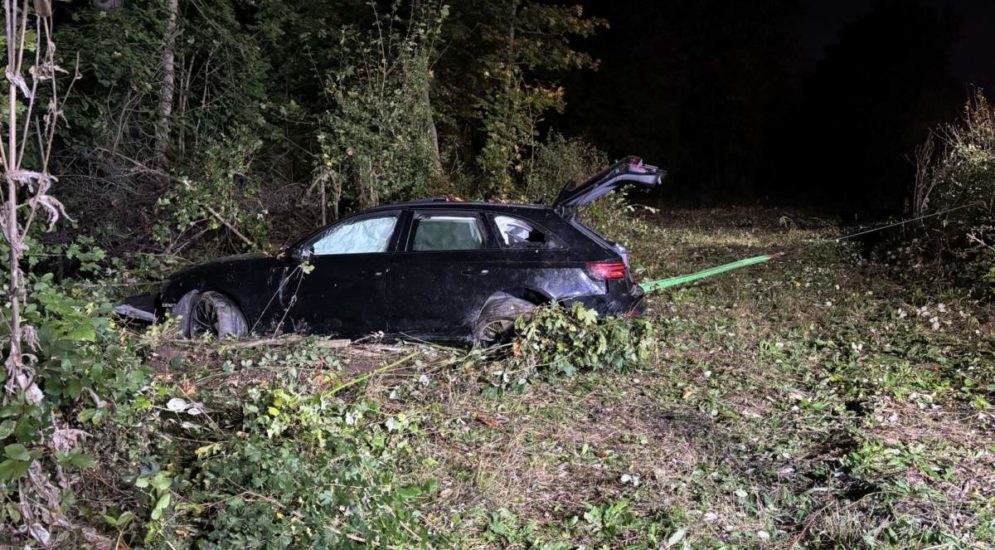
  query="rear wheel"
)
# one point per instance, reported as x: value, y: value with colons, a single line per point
x: 214, y: 313
x: 496, y: 322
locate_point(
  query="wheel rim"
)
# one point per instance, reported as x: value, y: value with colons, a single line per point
x: 494, y: 330
x: 204, y: 319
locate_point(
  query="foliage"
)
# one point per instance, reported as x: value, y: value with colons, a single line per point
x: 218, y: 192
x: 216, y: 127
x: 379, y: 134
x: 560, y: 161
x: 565, y: 341
x: 284, y: 463
x: 47, y: 332
x: 960, y: 176
x: 285, y: 114
x: 529, y: 39
x: 309, y: 471
x: 85, y: 368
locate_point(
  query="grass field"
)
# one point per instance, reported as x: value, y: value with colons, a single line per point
x: 817, y: 400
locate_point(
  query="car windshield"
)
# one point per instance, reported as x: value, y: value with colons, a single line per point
x: 359, y: 237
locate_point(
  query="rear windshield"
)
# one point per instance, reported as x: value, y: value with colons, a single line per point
x: 591, y: 233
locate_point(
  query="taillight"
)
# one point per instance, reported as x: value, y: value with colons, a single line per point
x: 607, y: 271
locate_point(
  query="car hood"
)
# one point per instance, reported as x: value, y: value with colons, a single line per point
x: 220, y: 262
x: 629, y: 170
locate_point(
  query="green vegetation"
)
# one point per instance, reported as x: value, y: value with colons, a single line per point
x: 829, y: 398
x: 811, y: 400
x: 201, y: 128
x: 956, y: 172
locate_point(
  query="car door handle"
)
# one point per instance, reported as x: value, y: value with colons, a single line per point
x: 476, y: 271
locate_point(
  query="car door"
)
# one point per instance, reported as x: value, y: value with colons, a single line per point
x: 441, y: 275
x: 342, y: 290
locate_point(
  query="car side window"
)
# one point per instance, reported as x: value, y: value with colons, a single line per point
x: 434, y: 232
x: 363, y: 236
x: 518, y: 233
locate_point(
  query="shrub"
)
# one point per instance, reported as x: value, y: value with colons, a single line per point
x: 214, y: 196
x: 378, y: 135
x: 284, y: 463
x: 564, y: 341
x: 960, y: 175
x: 86, y: 371
x: 560, y: 161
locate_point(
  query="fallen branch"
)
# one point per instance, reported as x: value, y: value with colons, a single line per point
x: 286, y: 340
x: 371, y: 374
x: 245, y: 239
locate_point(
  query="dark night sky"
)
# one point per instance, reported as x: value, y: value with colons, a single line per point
x: 792, y: 101
x: 972, y: 57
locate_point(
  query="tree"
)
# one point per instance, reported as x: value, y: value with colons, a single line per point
x: 379, y: 132
x: 524, y: 45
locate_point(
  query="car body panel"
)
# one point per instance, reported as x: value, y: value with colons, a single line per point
x: 250, y: 280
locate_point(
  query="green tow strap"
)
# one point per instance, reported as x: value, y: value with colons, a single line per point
x: 650, y: 286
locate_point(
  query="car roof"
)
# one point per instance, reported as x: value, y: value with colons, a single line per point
x: 446, y: 203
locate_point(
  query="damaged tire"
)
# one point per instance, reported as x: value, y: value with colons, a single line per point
x: 496, y: 322
x: 210, y: 313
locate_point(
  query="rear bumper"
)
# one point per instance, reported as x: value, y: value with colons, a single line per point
x: 622, y: 300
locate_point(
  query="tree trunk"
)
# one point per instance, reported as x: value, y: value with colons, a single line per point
x: 167, y: 90
x: 433, y: 132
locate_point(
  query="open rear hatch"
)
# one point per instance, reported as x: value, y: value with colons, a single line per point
x: 629, y: 170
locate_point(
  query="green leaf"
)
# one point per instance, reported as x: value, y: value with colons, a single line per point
x: 119, y: 521
x: 81, y: 460
x: 6, y: 428
x: 409, y: 492
x: 12, y: 469
x: 74, y: 387
x: 82, y: 333
x: 17, y: 451
x: 160, y: 506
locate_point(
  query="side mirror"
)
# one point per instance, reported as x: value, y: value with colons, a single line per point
x: 300, y: 253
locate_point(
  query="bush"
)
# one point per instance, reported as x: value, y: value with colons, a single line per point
x: 378, y: 136
x: 87, y: 373
x: 564, y: 341
x: 960, y: 175
x: 558, y: 162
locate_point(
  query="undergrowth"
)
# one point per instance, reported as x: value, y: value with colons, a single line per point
x: 560, y: 340
x: 809, y: 401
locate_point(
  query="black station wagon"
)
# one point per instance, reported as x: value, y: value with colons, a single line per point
x: 433, y: 269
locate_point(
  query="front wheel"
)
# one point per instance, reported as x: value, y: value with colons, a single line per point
x: 214, y: 313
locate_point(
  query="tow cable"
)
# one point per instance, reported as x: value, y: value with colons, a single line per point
x: 659, y: 284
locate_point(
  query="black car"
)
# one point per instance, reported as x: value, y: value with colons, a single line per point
x: 434, y: 269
